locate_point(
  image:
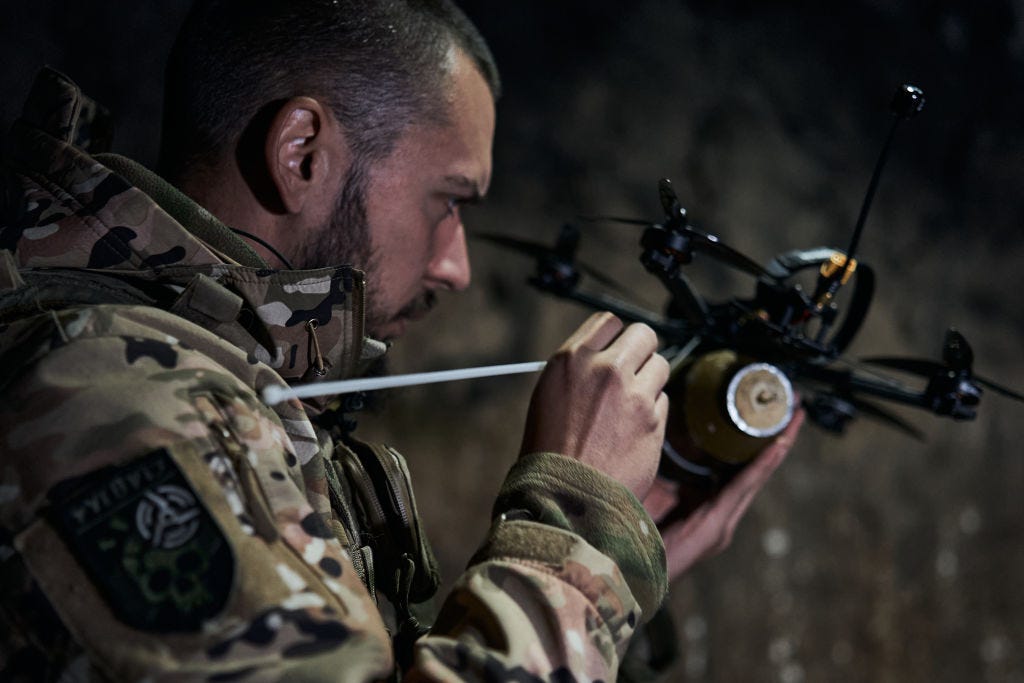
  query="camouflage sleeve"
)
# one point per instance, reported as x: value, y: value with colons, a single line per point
x: 161, y: 510
x: 572, y: 564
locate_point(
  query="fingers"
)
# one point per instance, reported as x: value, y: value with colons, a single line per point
x: 784, y: 441
x: 661, y: 499
x: 699, y: 536
x: 629, y: 349
x: 652, y: 376
x: 661, y: 407
x: 737, y: 496
x: 709, y: 529
x: 633, y: 348
x: 596, y: 333
x: 599, y: 400
x: 773, y: 454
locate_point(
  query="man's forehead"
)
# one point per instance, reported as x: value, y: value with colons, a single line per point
x: 455, y: 151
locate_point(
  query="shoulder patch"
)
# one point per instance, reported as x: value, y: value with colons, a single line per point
x: 149, y: 544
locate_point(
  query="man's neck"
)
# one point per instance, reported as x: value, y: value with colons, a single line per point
x: 225, y: 193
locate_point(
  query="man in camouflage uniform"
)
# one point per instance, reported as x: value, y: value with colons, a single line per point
x: 160, y: 521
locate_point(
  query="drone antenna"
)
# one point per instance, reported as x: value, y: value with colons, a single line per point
x: 908, y: 101
x: 835, y: 272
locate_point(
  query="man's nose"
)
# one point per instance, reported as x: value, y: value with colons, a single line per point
x: 450, y: 266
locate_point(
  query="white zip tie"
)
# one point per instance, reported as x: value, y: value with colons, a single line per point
x: 275, y: 394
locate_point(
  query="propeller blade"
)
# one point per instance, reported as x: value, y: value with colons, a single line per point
x: 726, y: 254
x: 891, y: 419
x: 999, y: 389
x: 526, y: 247
x: 670, y: 201
x: 917, y: 366
x: 708, y: 243
x: 956, y: 352
x: 568, y: 241
x: 958, y: 355
x: 594, y: 273
x: 538, y: 251
x: 615, y: 219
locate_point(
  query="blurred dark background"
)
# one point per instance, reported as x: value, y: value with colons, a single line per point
x: 869, y: 557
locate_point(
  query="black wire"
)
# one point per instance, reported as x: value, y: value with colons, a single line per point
x: 263, y: 243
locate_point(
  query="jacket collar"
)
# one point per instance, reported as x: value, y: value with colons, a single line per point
x: 79, y: 213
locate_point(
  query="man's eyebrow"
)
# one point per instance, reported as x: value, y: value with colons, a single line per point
x: 466, y: 184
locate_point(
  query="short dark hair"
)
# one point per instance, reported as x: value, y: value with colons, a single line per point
x: 379, y: 65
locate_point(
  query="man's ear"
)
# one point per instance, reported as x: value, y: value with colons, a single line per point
x: 306, y: 154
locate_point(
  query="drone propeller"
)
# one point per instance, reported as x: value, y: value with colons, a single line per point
x: 957, y: 357
x: 832, y: 412
x: 999, y: 389
x: 674, y: 210
x: 563, y: 252
x: 675, y: 216
x: 614, y: 219
x: 875, y: 411
x: 928, y: 368
x: 956, y: 352
x: 922, y: 367
x: 698, y: 241
x: 728, y: 255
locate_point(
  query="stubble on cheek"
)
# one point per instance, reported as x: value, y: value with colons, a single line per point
x: 346, y: 240
x: 418, y: 307
x: 387, y: 324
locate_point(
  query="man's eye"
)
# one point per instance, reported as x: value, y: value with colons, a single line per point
x: 455, y: 203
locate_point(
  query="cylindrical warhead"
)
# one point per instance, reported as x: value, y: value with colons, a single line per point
x: 732, y: 407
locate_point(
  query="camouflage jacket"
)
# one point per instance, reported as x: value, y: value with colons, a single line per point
x: 160, y: 522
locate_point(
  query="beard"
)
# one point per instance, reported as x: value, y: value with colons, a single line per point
x: 345, y: 240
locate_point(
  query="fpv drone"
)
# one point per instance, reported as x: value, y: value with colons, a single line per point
x: 803, y: 333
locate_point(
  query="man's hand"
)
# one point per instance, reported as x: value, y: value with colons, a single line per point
x: 600, y: 401
x: 708, y: 530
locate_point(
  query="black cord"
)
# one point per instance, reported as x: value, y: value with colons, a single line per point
x: 263, y: 243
